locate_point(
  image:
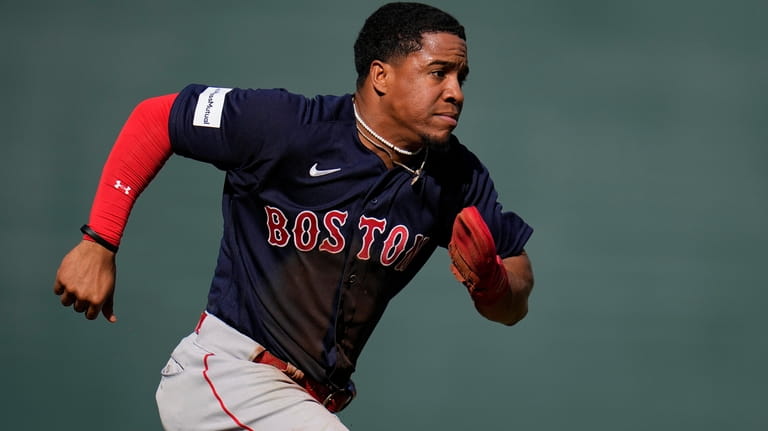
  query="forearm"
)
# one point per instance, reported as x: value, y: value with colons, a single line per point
x: 513, y: 305
x: 139, y: 152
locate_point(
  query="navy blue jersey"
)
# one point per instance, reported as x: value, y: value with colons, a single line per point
x: 318, y: 234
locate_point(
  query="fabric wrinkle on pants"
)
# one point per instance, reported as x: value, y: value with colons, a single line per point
x: 210, y: 383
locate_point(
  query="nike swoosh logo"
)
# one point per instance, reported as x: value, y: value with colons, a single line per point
x: 314, y: 172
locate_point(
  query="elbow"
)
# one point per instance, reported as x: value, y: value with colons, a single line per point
x: 518, y: 309
x: 516, y: 317
x: 512, y: 309
x: 506, y: 313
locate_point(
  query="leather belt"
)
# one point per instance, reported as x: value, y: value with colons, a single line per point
x: 333, y: 399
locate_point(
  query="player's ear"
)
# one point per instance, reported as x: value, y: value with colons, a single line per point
x: 378, y: 73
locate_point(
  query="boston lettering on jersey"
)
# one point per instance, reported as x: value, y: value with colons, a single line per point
x: 305, y: 234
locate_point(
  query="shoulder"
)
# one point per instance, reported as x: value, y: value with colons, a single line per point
x: 277, y: 104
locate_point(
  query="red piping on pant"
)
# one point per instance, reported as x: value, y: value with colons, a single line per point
x: 216, y: 394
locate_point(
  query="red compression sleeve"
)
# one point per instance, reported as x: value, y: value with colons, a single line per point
x: 140, y: 151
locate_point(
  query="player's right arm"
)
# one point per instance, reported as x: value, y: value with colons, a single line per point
x: 86, y: 276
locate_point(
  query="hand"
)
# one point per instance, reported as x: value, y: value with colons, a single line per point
x: 474, y: 261
x: 86, y: 280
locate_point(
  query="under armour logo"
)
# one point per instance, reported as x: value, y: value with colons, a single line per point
x: 120, y: 186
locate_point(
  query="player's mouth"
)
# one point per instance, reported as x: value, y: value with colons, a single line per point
x: 449, y: 117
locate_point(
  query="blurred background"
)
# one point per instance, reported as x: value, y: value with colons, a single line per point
x: 632, y: 135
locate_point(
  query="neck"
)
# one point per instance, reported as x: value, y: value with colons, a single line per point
x: 391, y: 160
x: 379, y: 138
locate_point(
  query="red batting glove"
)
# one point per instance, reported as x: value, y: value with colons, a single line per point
x: 474, y: 261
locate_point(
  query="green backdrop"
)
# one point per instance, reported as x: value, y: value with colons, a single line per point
x: 633, y: 135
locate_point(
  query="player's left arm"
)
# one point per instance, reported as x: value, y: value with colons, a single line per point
x: 499, y: 287
x: 512, y: 306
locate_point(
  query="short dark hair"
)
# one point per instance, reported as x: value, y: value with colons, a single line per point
x: 395, y: 30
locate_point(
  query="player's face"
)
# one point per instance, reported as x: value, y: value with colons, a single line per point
x: 426, y: 89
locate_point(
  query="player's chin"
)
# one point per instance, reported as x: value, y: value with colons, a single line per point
x: 438, y: 135
x: 438, y: 142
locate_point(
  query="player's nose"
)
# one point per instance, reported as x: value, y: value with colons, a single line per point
x: 453, y: 92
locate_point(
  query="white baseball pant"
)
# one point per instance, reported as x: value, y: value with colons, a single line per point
x: 210, y: 383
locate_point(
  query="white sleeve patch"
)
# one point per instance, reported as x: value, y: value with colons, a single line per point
x: 210, y: 105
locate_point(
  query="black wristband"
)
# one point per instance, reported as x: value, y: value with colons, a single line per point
x: 99, y: 240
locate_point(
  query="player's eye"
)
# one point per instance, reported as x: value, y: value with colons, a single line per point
x: 439, y: 73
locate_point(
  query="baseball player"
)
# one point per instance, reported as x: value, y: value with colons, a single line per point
x: 330, y: 206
